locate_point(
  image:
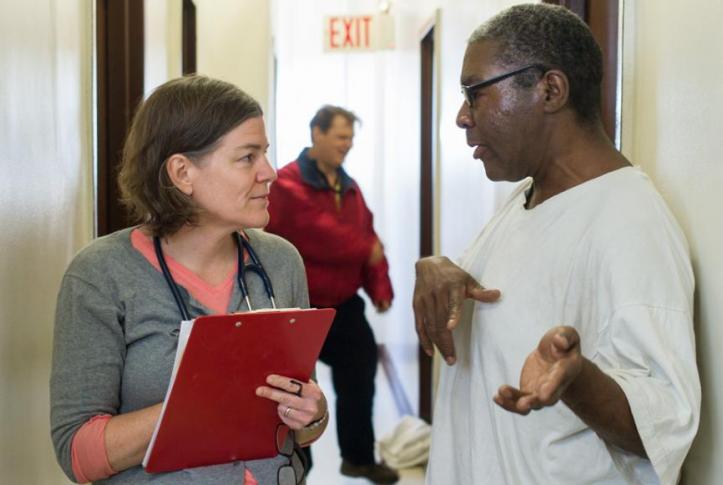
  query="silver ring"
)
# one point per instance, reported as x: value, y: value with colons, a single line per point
x: 287, y: 413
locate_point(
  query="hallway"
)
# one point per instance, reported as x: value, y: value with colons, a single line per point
x: 386, y: 415
x: 671, y: 105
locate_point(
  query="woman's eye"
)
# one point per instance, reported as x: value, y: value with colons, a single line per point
x: 247, y: 158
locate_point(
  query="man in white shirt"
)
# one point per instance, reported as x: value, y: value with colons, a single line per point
x: 593, y: 301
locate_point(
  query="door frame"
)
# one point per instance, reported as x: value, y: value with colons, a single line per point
x: 119, y: 88
x: 604, y: 19
x: 429, y: 40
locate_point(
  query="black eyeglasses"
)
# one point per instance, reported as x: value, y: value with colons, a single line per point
x: 286, y: 446
x: 470, y: 90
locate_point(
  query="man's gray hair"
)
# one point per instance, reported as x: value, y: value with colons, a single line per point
x: 554, y: 37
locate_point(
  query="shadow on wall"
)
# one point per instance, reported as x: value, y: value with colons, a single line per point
x: 703, y: 441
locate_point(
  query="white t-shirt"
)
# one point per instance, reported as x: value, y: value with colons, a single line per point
x: 608, y: 258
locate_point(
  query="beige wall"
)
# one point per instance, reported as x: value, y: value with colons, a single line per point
x: 45, y: 209
x: 46, y: 193
x: 234, y: 44
x: 162, y: 59
x: 673, y: 112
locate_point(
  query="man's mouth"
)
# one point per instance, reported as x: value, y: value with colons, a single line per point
x: 479, y: 151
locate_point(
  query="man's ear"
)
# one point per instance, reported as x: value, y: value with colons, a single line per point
x: 315, y: 133
x: 178, y: 168
x: 556, y: 89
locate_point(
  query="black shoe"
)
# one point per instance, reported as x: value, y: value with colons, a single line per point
x: 376, y: 472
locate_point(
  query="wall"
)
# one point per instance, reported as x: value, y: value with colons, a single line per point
x: 46, y: 193
x: 673, y: 110
x: 234, y: 44
x: 162, y: 58
x: 45, y: 210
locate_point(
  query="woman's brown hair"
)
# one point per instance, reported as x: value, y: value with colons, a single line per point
x: 188, y: 116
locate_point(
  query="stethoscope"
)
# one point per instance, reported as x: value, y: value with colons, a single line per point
x: 254, y: 266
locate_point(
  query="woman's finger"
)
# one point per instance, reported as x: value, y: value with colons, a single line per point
x: 287, y: 384
x: 308, y: 404
x: 291, y: 417
x: 294, y: 418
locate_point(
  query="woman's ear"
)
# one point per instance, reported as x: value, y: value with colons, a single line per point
x: 557, y: 90
x: 178, y: 168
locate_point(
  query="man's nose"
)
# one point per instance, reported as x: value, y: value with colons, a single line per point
x: 464, y: 116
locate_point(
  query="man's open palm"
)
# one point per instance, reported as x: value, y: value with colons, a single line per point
x: 547, y: 372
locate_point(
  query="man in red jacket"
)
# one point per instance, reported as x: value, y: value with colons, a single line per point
x: 320, y: 209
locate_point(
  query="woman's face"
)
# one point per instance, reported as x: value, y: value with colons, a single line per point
x: 231, y: 184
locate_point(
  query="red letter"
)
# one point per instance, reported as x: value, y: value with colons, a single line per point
x: 333, y: 32
x: 347, y: 33
x: 367, y: 19
x: 356, y: 32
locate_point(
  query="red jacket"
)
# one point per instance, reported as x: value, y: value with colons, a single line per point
x: 335, y: 243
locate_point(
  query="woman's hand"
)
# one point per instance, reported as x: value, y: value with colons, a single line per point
x: 299, y: 403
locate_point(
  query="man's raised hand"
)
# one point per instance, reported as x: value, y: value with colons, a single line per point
x: 440, y: 290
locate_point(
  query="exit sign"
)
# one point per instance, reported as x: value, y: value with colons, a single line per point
x: 344, y: 33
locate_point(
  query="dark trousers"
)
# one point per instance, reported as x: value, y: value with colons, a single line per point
x: 351, y: 352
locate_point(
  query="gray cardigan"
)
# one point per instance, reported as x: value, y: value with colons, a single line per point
x: 115, y: 339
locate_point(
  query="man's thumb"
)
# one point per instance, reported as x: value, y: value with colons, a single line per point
x: 479, y: 293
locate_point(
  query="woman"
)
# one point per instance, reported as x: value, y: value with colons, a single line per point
x: 195, y: 172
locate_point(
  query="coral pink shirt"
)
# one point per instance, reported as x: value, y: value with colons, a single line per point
x: 90, y: 460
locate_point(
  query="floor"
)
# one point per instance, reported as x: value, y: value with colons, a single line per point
x: 386, y: 415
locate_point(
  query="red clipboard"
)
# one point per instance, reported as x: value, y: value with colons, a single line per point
x: 212, y: 414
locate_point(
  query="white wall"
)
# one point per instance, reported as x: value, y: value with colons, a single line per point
x: 45, y: 211
x: 234, y: 44
x: 673, y: 111
x: 162, y: 58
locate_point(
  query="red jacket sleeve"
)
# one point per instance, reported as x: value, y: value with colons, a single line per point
x: 377, y: 283
x: 375, y: 279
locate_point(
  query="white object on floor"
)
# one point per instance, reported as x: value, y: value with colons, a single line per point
x: 407, y: 445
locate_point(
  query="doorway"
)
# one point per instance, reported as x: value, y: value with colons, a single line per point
x: 119, y: 85
x: 119, y: 78
x: 603, y: 18
x: 426, y: 201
